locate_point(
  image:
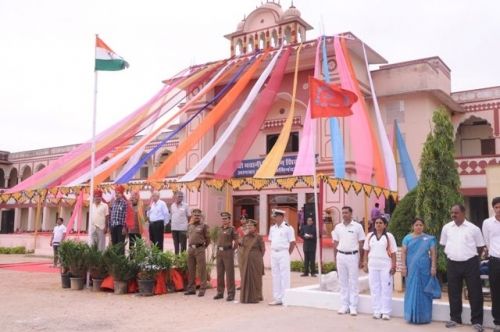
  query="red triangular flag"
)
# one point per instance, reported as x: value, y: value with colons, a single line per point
x: 329, y: 100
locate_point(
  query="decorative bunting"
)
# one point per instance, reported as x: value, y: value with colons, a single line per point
x: 287, y: 183
x: 368, y: 189
x: 217, y: 184
x: 357, y: 187
x: 377, y: 191
x: 346, y: 184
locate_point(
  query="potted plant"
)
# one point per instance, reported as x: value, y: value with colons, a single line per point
x: 64, y: 249
x: 180, y: 268
x: 146, y: 259
x: 97, y: 267
x: 78, y: 263
x: 119, y: 267
x: 213, y: 234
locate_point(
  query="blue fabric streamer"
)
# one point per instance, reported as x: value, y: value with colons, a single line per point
x: 404, y: 157
x: 132, y: 171
x: 336, y: 135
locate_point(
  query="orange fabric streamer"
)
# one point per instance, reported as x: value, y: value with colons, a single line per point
x: 378, y: 164
x: 105, y: 174
x: 208, y: 122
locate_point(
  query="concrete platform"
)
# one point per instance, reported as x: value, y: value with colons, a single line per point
x: 313, y: 297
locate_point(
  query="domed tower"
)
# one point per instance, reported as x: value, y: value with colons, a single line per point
x: 268, y: 26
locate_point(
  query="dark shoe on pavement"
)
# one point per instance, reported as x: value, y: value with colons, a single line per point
x: 449, y: 324
x: 313, y: 275
x: 478, y: 327
x: 238, y: 288
x: 230, y: 298
x: 304, y: 275
x: 218, y: 297
x: 496, y: 328
x: 201, y: 293
x: 190, y: 293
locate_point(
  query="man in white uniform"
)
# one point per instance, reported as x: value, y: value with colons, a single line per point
x: 491, y: 233
x: 348, y: 238
x: 99, y: 226
x: 282, y: 238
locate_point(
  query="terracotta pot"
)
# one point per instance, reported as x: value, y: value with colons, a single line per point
x: 96, y: 284
x: 120, y: 287
x: 77, y: 283
x: 146, y: 287
x: 65, y: 280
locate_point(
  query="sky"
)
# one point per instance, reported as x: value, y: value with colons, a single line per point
x: 47, y: 51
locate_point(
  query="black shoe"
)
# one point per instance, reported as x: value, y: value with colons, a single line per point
x: 304, y: 275
x: 230, y: 298
x: 218, y: 296
x: 313, y: 275
x: 238, y: 288
x: 190, y: 293
x: 201, y: 293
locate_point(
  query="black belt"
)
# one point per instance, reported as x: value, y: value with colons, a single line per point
x: 152, y: 222
x: 196, y: 245
x: 348, y: 252
x: 221, y: 248
x: 493, y: 258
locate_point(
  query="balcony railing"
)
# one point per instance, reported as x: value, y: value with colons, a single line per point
x: 475, y: 165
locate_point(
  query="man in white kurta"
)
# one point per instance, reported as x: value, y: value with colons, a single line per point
x: 348, y: 237
x: 99, y: 225
x: 282, y: 238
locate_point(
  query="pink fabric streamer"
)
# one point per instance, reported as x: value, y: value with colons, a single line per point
x: 37, y: 180
x: 77, y: 214
x: 306, y: 160
x: 259, y: 112
x: 359, y: 128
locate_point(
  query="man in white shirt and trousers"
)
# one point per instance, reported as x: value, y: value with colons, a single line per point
x: 158, y: 216
x: 348, y: 238
x: 491, y: 233
x: 282, y: 237
x: 179, y: 214
x: 463, y: 244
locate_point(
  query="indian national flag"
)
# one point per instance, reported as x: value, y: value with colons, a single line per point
x: 106, y: 59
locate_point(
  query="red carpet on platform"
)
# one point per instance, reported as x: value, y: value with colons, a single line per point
x: 30, y: 267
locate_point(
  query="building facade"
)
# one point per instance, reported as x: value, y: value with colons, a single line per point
x: 408, y: 92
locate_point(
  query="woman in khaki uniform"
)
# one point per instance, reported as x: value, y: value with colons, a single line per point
x: 252, y: 264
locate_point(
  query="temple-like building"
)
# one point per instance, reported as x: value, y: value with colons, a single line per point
x: 408, y: 92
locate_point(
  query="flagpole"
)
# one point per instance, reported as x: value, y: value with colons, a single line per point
x: 92, y: 160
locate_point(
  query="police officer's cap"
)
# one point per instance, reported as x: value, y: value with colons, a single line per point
x: 277, y: 212
x: 225, y: 215
x: 196, y: 212
x: 251, y: 222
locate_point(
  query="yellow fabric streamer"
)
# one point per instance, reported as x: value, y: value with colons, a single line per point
x: 273, y: 159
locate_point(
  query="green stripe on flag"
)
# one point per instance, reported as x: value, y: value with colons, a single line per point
x: 110, y: 65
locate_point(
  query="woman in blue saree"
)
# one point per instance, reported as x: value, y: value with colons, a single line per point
x: 418, y: 258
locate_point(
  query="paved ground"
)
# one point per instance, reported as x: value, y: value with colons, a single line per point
x: 35, y: 301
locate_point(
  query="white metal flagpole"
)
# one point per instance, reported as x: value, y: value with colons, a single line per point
x: 92, y: 162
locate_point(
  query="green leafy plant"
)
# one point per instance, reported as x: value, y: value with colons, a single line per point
x: 403, y: 216
x: 166, y: 260
x: 180, y: 261
x: 118, y: 265
x: 439, y: 184
x: 326, y: 267
x: 13, y: 250
x: 74, y: 256
x: 146, y: 258
x: 97, y: 266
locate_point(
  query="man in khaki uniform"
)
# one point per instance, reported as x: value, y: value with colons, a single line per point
x: 198, y: 241
x: 227, y: 240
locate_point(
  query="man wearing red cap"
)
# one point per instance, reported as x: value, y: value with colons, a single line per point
x: 117, y: 224
x: 99, y: 226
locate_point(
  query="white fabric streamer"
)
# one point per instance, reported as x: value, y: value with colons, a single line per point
x: 203, y: 163
x: 390, y: 161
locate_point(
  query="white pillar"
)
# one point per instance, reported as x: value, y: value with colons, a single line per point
x: 45, y: 219
x: 31, y: 219
x: 301, y: 200
x: 263, y: 213
x: 17, y: 219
